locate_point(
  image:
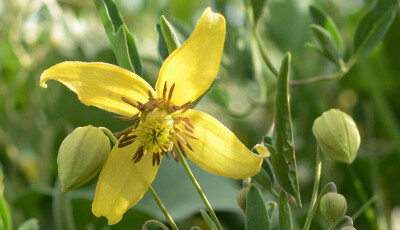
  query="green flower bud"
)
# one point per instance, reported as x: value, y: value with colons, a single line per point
x: 337, y: 135
x: 348, y: 228
x: 81, y: 156
x: 241, y: 198
x: 333, y: 207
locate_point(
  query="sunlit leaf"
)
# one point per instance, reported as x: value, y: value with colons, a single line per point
x: 282, y: 154
x: 373, y: 26
x: 122, y: 41
x: 169, y: 35
x: 5, y: 217
x: 322, y: 19
x: 256, y: 212
x: 285, y: 214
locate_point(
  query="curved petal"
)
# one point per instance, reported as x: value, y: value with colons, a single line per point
x: 100, y: 84
x: 218, y: 150
x: 194, y: 65
x: 122, y: 183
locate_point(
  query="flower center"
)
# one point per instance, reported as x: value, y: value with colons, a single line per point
x: 159, y: 125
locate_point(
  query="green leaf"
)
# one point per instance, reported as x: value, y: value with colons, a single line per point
x: 256, y: 213
x: 161, y: 43
x: 257, y: 7
x: 373, y: 26
x: 31, y: 224
x: 285, y: 214
x: 282, y: 154
x: 5, y: 217
x: 208, y: 219
x: 122, y: 41
x: 263, y: 179
x: 322, y: 19
x: 169, y: 35
x: 327, y: 45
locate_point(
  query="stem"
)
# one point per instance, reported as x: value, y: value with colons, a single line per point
x: 332, y: 227
x: 317, y: 174
x: 156, y: 222
x: 311, y: 213
x: 163, y: 209
x: 198, y: 188
x: 153, y: 193
x: 264, y: 53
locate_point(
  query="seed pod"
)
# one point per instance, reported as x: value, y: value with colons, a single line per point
x: 333, y: 207
x: 81, y: 156
x: 337, y: 135
x: 241, y: 198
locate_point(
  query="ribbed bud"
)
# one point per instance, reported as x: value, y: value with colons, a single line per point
x: 333, y: 207
x: 81, y: 156
x: 337, y: 135
x: 241, y: 198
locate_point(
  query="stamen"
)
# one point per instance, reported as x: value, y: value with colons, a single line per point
x: 123, y: 118
x: 164, y: 93
x: 171, y: 90
x: 187, y: 120
x: 181, y: 148
x: 125, y: 143
x: 138, y: 155
x: 156, y: 158
x: 123, y: 132
x: 150, y: 95
x: 188, y: 129
x: 190, y: 135
x: 133, y: 104
x: 174, y: 155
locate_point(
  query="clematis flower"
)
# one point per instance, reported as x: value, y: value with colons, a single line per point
x: 163, y: 118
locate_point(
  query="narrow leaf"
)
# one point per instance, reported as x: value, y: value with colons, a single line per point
x: 322, y: 19
x: 256, y: 212
x: 208, y: 220
x: 285, y: 214
x: 161, y: 43
x: 122, y: 41
x: 282, y: 154
x: 169, y: 35
x: 258, y: 7
x: 262, y: 178
x: 327, y: 44
x: 373, y: 26
x: 5, y: 217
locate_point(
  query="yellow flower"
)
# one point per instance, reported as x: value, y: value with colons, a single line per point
x: 163, y: 118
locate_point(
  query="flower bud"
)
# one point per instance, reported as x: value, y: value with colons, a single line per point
x: 241, y: 198
x: 348, y: 228
x: 81, y: 156
x: 337, y: 135
x: 333, y: 207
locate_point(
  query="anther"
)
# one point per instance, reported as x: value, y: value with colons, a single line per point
x: 125, y: 143
x: 138, y: 106
x: 150, y: 94
x: 123, y: 118
x: 174, y: 155
x: 190, y: 135
x: 164, y: 93
x: 181, y: 148
x: 123, y: 132
x: 138, y: 155
x: 171, y: 90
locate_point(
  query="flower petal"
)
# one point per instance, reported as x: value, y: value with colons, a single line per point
x: 100, y: 84
x: 218, y: 150
x: 122, y: 183
x: 194, y: 65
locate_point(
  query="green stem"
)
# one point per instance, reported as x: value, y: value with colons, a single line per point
x: 163, y: 209
x: 313, y: 208
x: 198, y: 188
x: 317, y: 177
x: 332, y: 227
x: 264, y: 53
x: 153, y: 193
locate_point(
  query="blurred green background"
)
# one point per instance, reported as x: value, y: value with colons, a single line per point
x: 36, y: 34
